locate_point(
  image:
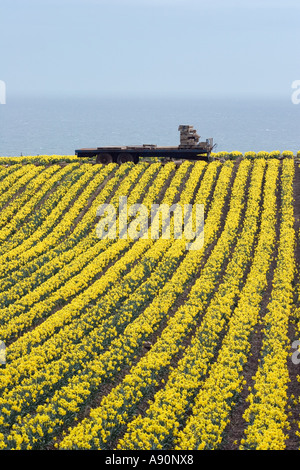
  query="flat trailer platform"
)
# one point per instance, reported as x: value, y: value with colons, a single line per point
x: 189, y: 149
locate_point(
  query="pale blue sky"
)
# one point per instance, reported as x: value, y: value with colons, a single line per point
x: 149, y: 47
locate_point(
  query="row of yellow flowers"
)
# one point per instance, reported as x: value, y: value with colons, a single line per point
x: 253, y: 155
x: 164, y: 416
x: 62, y: 255
x: 267, y: 410
x: 10, y: 182
x: 210, y: 413
x: 59, y: 396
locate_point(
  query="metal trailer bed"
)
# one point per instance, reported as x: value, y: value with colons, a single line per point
x: 189, y: 149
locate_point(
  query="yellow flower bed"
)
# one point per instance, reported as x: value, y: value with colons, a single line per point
x: 77, y: 311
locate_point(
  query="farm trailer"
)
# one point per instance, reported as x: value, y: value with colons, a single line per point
x: 189, y: 149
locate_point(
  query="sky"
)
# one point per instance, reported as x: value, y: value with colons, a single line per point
x: 149, y: 47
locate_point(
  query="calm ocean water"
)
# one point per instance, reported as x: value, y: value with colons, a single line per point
x: 58, y: 126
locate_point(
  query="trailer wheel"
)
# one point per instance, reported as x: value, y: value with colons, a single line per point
x: 104, y: 158
x: 124, y: 157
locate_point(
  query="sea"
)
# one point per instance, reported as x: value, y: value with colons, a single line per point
x: 58, y: 125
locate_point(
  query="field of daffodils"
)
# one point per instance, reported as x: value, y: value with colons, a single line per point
x: 124, y: 343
